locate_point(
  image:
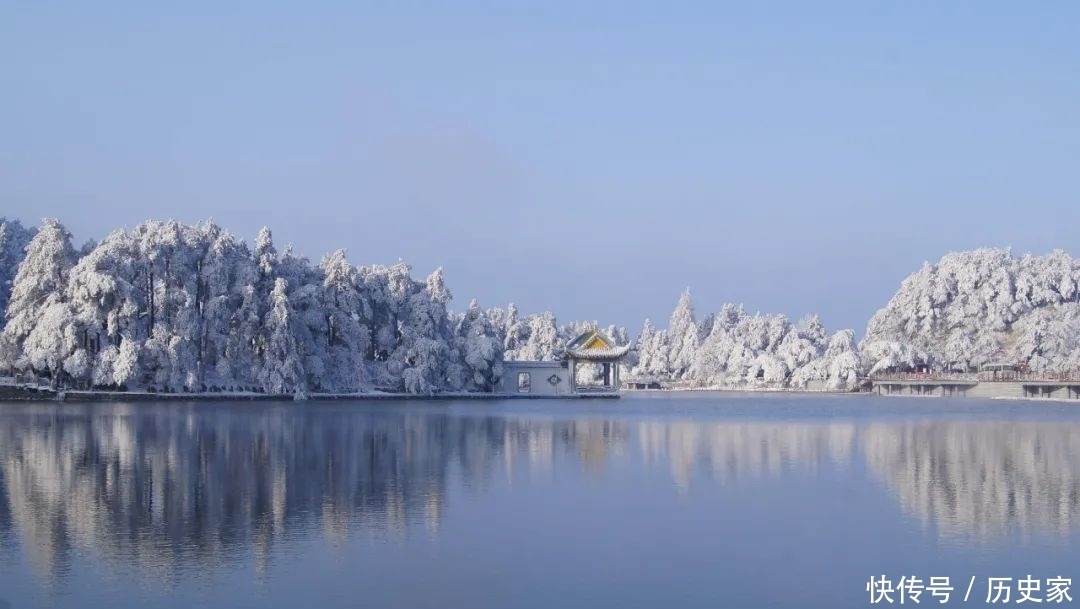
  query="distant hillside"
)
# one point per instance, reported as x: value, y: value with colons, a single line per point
x: 978, y: 306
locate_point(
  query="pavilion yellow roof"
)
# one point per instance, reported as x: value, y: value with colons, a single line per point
x: 594, y: 345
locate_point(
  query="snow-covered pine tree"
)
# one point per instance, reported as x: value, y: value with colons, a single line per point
x: 683, y: 337
x: 385, y: 292
x: 347, y: 338
x: 38, y: 298
x: 481, y: 351
x: 99, y: 294
x: 14, y: 237
x: 843, y: 362
x: 255, y: 305
x: 644, y: 346
x: 282, y: 370
x: 540, y: 338
x: 309, y: 320
x: 223, y: 270
x: 425, y: 342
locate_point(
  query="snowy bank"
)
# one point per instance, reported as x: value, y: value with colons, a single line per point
x: 22, y: 393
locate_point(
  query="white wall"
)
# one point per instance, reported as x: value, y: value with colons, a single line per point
x: 539, y: 373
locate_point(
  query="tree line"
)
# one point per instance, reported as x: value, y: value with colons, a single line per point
x: 173, y: 307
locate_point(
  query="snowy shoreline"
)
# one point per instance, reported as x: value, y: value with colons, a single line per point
x: 16, y: 393
x: 781, y: 390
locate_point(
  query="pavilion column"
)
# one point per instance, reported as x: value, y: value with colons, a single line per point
x: 573, y: 381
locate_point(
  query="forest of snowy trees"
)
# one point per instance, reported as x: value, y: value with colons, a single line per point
x: 171, y: 307
x: 733, y: 349
x: 981, y: 306
x: 178, y: 308
x: 968, y: 309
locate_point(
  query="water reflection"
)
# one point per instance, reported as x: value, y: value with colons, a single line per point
x: 981, y: 478
x: 163, y: 487
x: 731, y: 450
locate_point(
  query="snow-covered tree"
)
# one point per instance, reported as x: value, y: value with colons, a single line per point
x: 223, y: 269
x: 839, y: 368
x: 309, y: 327
x: 125, y: 368
x: 684, y: 337
x: 101, y: 302
x: 536, y: 338
x: 14, y: 237
x: 481, y: 350
x: 643, y: 348
x: 51, y: 343
x: 652, y: 353
x: 347, y: 336
x: 516, y: 332
x: 282, y: 371
x: 38, y: 299
x: 428, y: 364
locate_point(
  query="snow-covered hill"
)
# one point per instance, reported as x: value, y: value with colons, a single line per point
x: 979, y: 306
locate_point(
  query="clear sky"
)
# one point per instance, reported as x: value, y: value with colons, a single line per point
x: 592, y: 158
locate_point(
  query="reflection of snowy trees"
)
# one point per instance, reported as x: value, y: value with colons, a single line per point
x: 731, y: 450
x: 981, y: 478
x: 161, y: 487
x: 173, y: 485
x: 965, y: 478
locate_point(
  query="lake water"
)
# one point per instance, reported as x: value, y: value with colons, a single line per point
x: 660, y: 500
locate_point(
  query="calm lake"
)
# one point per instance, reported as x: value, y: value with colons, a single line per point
x: 657, y: 500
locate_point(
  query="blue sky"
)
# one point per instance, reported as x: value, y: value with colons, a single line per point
x: 589, y: 158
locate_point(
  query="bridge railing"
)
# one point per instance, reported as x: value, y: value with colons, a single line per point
x: 925, y: 376
x: 983, y: 377
x: 1017, y: 375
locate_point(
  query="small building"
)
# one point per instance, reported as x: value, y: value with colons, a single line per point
x: 551, y: 378
x: 591, y: 352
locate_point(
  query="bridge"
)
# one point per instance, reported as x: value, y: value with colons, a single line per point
x: 1000, y: 384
